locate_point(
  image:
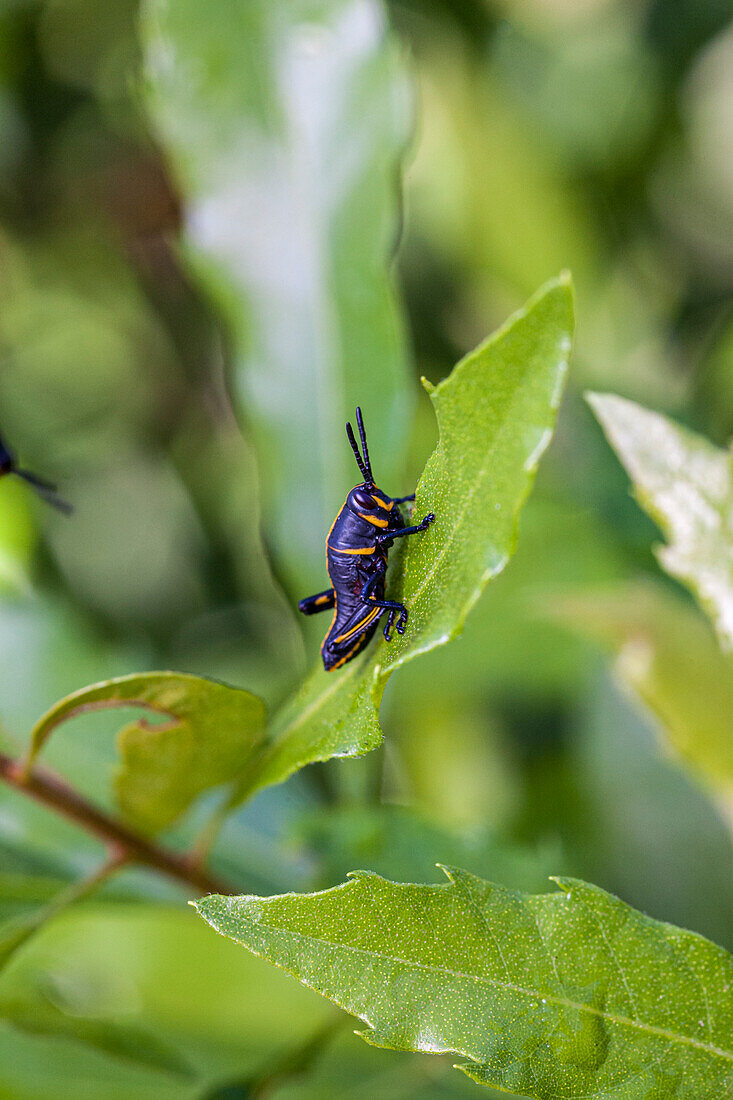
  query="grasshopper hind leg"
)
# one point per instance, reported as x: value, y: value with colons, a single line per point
x: 394, y: 610
x: 322, y: 601
x: 392, y: 606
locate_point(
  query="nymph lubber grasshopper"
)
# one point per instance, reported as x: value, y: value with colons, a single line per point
x: 44, y: 488
x: 356, y: 558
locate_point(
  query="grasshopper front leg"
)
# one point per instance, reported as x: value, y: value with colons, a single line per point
x: 387, y: 536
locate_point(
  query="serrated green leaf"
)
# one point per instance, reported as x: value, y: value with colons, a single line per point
x: 669, y: 656
x: 686, y: 486
x: 285, y: 124
x: 496, y: 413
x: 570, y: 994
x: 206, y: 737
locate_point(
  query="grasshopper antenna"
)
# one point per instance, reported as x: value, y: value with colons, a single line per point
x: 44, y: 488
x: 46, y: 491
x: 365, y: 471
x: 365, y: 449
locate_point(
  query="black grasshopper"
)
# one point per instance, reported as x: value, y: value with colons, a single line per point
x: 356, y: 558
x: 44, y: 488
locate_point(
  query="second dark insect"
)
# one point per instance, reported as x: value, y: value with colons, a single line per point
x: 44, y: 488
x: 356, y: 557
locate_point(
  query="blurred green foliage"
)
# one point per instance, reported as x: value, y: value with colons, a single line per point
x: 591, y: 135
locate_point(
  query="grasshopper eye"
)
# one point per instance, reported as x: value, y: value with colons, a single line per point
x: 363, y: 499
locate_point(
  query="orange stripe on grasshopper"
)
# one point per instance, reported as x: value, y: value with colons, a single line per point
x: 373, y: 520
x: 359, y: 645
x: 360, y: 625
x: 365, y: 550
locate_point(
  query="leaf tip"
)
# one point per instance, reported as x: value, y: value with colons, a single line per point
x: 200, y: 907
x: 605, y: 404
x: 567, y: 884
x: 594, y: 398
x: 559, y: 294
x: 203, y: 905
x: 451, y: 873
x: 369, y: 1036
x: 564, y: 282
x: 427, y: 385
x: 359, y: 876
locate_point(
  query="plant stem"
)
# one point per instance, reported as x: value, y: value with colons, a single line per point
x: 15, y: 934
x: 53, y: 792
x: 209, y: 833
x: 296, y: 1062
x: 83, y: 887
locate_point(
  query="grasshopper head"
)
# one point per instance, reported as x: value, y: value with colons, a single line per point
x: 369, y: 502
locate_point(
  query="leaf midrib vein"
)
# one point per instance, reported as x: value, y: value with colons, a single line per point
x: 303, y: 715
x: 478, y: 481
x: 452, y: 534
x: 561, y: 1002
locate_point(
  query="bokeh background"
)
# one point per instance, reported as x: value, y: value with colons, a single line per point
x: 546, y: 134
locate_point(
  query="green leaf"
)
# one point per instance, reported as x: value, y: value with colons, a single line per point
x: 208, y: 733
x: 17, y: 537
x: 496, y: 413
x: 686, y: 486
x: 328, y: 717
x: 669, y: 656
x: 285, y: 124
x: 570, y: 994
x: 129, y: 1044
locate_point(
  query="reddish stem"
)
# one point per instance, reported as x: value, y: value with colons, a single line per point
x: 55, y: 793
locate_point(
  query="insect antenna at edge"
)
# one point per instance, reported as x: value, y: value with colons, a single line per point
x: 365, y: 471
x: 362, y: 434
x: 46, y: 490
